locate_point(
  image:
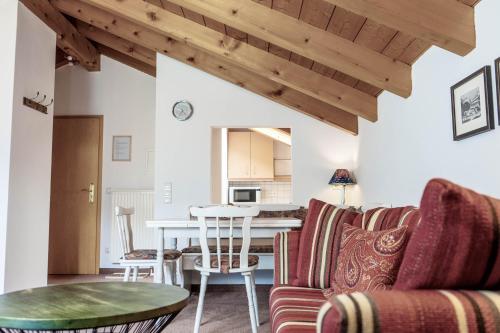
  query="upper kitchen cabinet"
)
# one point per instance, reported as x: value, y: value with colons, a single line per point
x: 261, y: 156
x: 250, y: 156
x: 238, y: 155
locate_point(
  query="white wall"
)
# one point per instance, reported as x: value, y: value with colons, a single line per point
x: 183, y: 148
x: 126, y: 99
x: 413, y: 140
x: 8, y: 17
x: 26, y: 229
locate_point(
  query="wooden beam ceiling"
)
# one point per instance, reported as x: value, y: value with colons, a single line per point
x: 446, y: 23
x: 306, y: 40
x: 217, y: 66
x: 327, y: 59
x: 244, y: 55
x: 68, y: 38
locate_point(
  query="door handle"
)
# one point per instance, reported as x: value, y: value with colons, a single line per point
x: 91, y: 191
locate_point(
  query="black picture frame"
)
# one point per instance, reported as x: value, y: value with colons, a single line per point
x: 497, y: 75
x: 490, y: 118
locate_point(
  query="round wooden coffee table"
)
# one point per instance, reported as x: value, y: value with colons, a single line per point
x: 92, y: 307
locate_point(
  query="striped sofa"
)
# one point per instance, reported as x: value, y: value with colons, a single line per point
x: 301, y: 305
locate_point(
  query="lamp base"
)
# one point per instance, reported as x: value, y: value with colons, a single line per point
x: 343, y: 195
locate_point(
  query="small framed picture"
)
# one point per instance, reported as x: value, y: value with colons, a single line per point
x: 497, y: 75
x: 122, y: 148
x: 472, y: 105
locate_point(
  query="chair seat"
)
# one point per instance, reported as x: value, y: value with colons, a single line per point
x: 252, y: 261
x: 150, y: 254
x: 225, y: 249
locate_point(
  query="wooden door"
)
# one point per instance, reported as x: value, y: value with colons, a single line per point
x: 238, y: 155
x: 261, y: 156
x: 74, y: 214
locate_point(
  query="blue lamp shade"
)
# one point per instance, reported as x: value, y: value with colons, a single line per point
x: 342, y: 177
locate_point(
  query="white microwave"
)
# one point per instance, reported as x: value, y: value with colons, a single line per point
x: 246, y: 195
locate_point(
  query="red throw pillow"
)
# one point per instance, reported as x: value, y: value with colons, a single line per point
x: 319, y: 243
x: 457, y: 243
x: 368, y: 260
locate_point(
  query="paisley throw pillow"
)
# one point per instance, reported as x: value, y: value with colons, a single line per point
x: 368, y: 260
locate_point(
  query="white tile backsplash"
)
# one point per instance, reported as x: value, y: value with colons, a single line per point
x: 272, y: 192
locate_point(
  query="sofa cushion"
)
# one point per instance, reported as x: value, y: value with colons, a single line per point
x: 388, y: 218
x: 294, y: 309
x: 457, y: 243
x: 368, y: 260
x: 319, y: 243
x: 286, y: 252
x: 429, y: 311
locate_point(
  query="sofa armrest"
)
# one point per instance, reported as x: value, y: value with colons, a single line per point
x: 432, y: 311
x: 286, y: 252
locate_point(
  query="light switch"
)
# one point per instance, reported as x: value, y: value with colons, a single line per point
x: 167, y: 193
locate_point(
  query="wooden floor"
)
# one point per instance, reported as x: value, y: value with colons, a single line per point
x: 225, y: 309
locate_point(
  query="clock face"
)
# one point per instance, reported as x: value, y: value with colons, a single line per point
x: 182, y: 110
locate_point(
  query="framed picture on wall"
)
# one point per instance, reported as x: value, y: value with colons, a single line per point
x: 472, y: 105
x: 122, y: 148
x: 497, y: 75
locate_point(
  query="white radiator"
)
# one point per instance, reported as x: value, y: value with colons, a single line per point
x: 142, y: 201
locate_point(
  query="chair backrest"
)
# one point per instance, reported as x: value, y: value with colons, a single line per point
x: 124, y: 220
x: 226, y: 217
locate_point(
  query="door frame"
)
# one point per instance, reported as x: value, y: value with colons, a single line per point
x: 99, y: 182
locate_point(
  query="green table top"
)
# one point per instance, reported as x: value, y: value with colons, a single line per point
x: 89, y: 305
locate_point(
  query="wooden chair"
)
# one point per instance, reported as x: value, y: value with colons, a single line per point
x: 227, y: 262
x: 133, y: 259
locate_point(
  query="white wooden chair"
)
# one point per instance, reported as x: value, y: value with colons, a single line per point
x: 133, y: 259
x: 227, y: 263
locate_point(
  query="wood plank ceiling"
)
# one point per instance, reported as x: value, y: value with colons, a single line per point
x: 131, y: 31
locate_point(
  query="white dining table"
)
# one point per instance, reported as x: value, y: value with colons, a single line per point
x: 186, y: 228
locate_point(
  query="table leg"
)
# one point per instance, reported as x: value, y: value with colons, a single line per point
x: 158, y: 278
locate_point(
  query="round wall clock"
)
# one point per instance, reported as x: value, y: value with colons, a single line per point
x: 182, y: 110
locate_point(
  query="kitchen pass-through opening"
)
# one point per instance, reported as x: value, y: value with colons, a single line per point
x: 251, y: 166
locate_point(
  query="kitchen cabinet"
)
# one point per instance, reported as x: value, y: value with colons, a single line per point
x: 238, y: 155
x: 282, y: 161
x: 250, y: 156
x: 261, y: 156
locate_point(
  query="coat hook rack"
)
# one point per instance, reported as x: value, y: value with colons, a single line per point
x: 37, y: 105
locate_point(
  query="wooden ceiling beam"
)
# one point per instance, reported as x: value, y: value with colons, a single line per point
x: 306, y: 40
x: 124, y: 46
x: 68, y: 38
x: 126, y: 59
x: 244, y: 55
x: 61, y: 58
x: 448, y: 24
x: 217, y: 66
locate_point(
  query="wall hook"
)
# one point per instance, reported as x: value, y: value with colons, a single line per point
x: 43, y: 99
x: 51, y: 102
x: 37, y: 94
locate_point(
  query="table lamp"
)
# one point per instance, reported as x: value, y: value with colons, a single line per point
x: 342, y: 177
